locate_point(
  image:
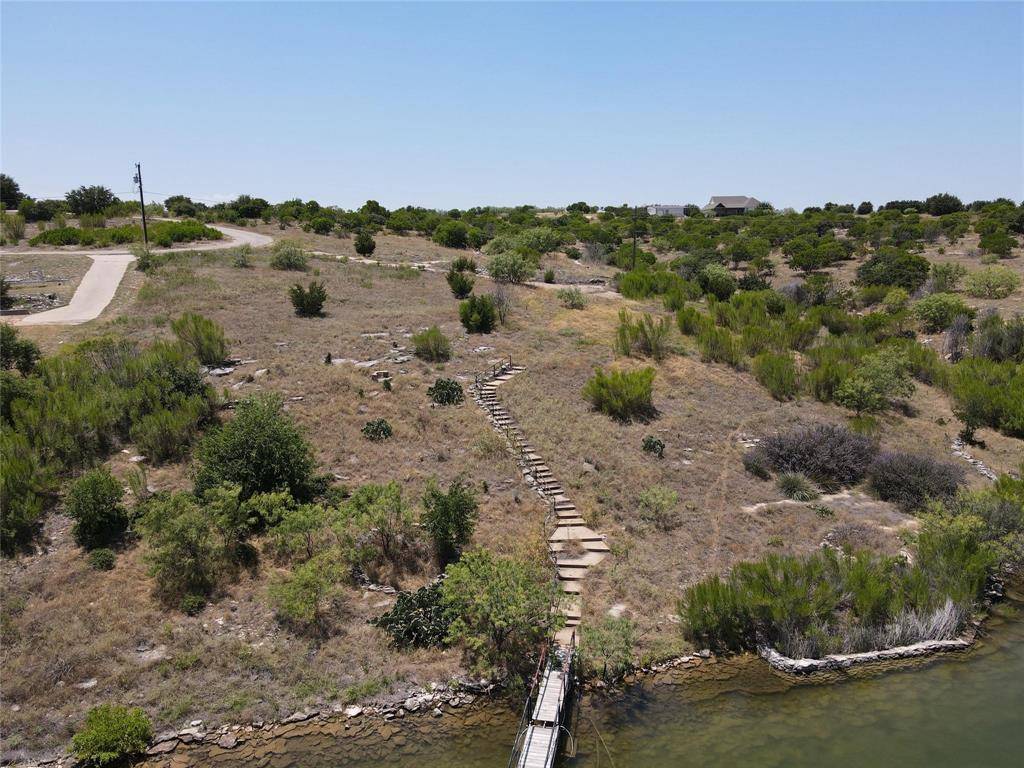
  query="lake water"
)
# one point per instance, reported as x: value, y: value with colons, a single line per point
x: 956, y: 711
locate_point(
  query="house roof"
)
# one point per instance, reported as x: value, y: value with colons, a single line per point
x: 732, y: 201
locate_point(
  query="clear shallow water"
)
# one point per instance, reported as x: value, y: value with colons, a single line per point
x: 956, y: 711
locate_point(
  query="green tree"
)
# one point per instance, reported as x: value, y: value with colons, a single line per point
x: 10, y: 193
x: 379, y: 512
x: 86, y: 200
x: 941, y: 204
x: 478, y: 314
x: 260, y: 449
x: 365, y: 245
x: 184, y: 553
x: 460, y: 283
x: 451, y: 234
x: 606, y: 647
x: 17, y: 352
x: 303, y: 599
x: 308, y: 302
x: 449, y: 518
x: 94, y: 503
x: 892, y: 266
x: 112, y: 734
x: 500, y: 609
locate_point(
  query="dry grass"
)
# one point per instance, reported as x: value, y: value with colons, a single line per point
x: 233, y: 662
x: 61, y: 274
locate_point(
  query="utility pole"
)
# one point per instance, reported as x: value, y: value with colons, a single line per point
x: 634, y: 236
x: 142, y: 202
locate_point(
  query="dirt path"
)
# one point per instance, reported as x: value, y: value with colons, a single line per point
x: 100, y: 283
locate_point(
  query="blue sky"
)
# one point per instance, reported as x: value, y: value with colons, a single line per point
x: 462, y: 104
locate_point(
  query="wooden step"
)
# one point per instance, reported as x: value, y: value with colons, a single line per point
x: 585, y: 560
x: 573, y: 587
x: 571, y: 573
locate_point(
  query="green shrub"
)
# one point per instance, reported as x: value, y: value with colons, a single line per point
x: 623, y: 395
x: 260, y: 449
x: 22, y: 483
x: 891, y: 266
x: 478, y: 314
x: 451, y: 233
x: 112, y: 734
x: 937, y: 311
x: 880, y: 378
x: 999, y: 242
x: 377, y: 430
x: 446, y: 392
x: 652, y: 444
x: 102, y: 559
x: 643, y: 336
x: 288, y: 256
x: 167, y: 433
x: 777, y: 373
x: 203, y: 336
x: 657, y: 505
x: 308, y: 302
x: 946, y: 277
x: 987, y: 393
x: 303, y: 598
x: 510, y: 267
x: 417, y: 619
x: 716, y: 280
x: 94, y: 503
x: 500, y: 610
x: 549, y: 276
x: 16, y: 352
x: 796, y: 486
x: 464, y: 264
x: 758, y: 339
x: 572, y: 298
x: 460, y: 283
x: 992, y: 283
x: 184, y: 551
x: 449, y: 518
x: 690, y: 320
x: 911, y: 480
x: 717, y: 345
x: 13, y: 227
x: 432, y: 345
x: 364, y: 244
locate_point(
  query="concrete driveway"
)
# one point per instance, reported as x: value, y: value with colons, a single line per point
x: 100, y: 283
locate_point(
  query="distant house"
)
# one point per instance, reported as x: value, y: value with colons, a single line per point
x: 730, y: 205
x: 666, y: 210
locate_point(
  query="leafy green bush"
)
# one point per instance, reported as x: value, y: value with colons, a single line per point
x: 380, y: 522
x: 22, y: 483
x: 260, y: 449
x: 288, y: 256
x: 652, y: 444
x: 478, y: 314
x: 102, y: 559
x: 308, y: 302
x: 643, y: 336
x: 911, y: 480
x: 203, y: 336
x: 549, y: 276
x: 999, y: 242
x: 992, y: 283
x: 718, y: 345
x: 716, y: 280
x: 364, y: 244
x: 112, y: 734
x: 777, y: 373
x: 460, y: 283
x: 987, y: 393
x: 572, y: 298
x: 499, y: 609
x: 796, y: 486
x: 167, y: 433
x: 623, y: 395
x: 657, y: 505
x: 892, y: 266
x: 16, y: 352
x: 161, y: 233
x: 451, y: 233
x: 446, y: 392
x: 94, y: 503
x: 464, y: 264
x: 432, y: 345
x: 449, y: 518
x: 303, y: 598
x: 690, y: 320
x: 510, y: 267
x: 880, y: 378
x: 377, y: 430
x: 946, y: 277
x: 417, y: 619
x: 937, y: 311
x: 13, y: 227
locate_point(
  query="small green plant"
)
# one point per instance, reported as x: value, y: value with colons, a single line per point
x: 718, y: 345
x: 102, y: 559
x: 642, y: 336
x: 657, y: 505
x: 449, y: 518
x: 777, y: 373
x: 796, y: 486
x: 432, y: 345
x: 377, y: 430
x: 112, y: 734
x: 94, y: 503
x: 364, y: 244
x: 652, y: 444
x: 572, y: 298
x: 203, y: 336
x: 288, y: 256
x: 623, y: 395
x: 937, y: 312
x: 417, y: 619
x: 478, y: 314
x: 192, y: 605
x: 460, y: 283
x: 823, y: 512
x: 510, y: 267
x: 549, y: 275
x: 240, y: 256
x: 464, y: 264
x: 308, y: 302
x: 446, y: 392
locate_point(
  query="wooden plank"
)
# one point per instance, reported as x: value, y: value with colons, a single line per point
x: 549, y: 702
x: 537, y: 747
